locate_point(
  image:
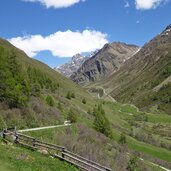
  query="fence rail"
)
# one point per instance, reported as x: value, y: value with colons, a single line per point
x: 56, y: 151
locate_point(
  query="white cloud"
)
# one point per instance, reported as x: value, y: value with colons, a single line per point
x: 61, y: 44
x: 148, y: 4
x: 56, y: 3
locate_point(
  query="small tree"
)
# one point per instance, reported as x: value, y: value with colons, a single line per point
x: 68, y: 96
x: 72, y: 95
x: 84, y: 101
x: 50, y: 101
x: 101, y: 123
x: 72, y: 116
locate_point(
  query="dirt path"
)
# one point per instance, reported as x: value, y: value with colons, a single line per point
x: 40, y: 128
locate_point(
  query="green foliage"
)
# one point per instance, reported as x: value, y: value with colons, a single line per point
x: 16, y: 84
x: 84, y: 101
x: 50, y: 100
x: 41, y: 81
x: 133, y: 164
x: 15, y: 158
x: 122, y: 139
x: 68, y: 96
x: 13, y: 87
x: 72, y: 95
x: 101, y: 123
x: 72, y: 116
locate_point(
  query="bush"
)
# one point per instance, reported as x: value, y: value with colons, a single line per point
x: 101, y: 123
x: 50, y: 101
x: 72, y: 95
x: 84, y: 101
x: 72, y: 116
x: 68, y: 96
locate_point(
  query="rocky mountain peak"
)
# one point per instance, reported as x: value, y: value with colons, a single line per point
x: 77, y: 57
x: 106, y: 61
x: 72, y: 66
x: 168, y: 27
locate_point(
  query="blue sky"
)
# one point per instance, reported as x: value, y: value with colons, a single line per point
x: 53, y: 31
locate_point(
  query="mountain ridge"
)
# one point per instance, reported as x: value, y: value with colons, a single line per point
x: 142, y: 73
x: 104, y: 62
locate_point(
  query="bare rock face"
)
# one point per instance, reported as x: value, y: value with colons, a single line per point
x: 69, y: 68
x: 105, y: 62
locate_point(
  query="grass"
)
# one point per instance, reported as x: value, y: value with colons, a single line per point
x: 120, y: 120
x: 13, y: 158
x: 121, y: 117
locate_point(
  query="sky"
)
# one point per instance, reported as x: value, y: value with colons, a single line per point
x: 52, y: 31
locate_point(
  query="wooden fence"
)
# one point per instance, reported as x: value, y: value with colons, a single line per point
x: 53, y: 150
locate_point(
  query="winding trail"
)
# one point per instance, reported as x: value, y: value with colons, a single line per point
x: 161, y: 167
x: 41, y: 128
x: 107, y: 95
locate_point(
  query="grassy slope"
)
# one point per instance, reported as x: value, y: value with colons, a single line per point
x: 136, y: 81
x: 119, y: 116
x: 14, y: 158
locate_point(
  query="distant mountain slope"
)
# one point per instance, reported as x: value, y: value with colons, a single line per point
x: 108, y: 60
x: 72, y: 66
x: 145, y: 78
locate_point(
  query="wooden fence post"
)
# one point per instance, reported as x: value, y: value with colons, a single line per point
x: 4, y: 133
x: 34, y: 141
x: 63, y: 155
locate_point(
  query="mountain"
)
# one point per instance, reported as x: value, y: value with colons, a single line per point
x: 145, y: 79
x: 69, y: 68
x: 105, y: 62
x: 33, y: 95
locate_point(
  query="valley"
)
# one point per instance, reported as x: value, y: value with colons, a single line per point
x: 116, y: 133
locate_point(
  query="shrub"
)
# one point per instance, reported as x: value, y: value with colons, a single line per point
x: 101, y: 123
x: 72, y: 116
x: 50, y: 101
x: 73, y: 95
x: 84, y: 101
x: 68, y: 96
